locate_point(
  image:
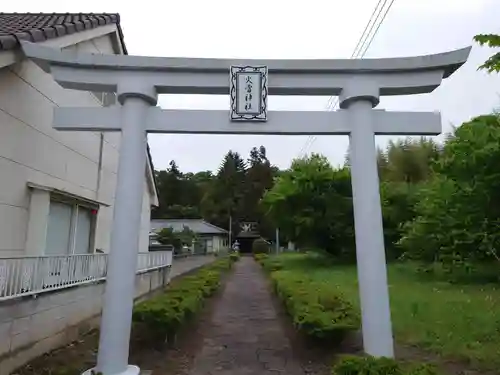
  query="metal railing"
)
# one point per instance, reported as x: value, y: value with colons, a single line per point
x: 154, y: 260
x: 33, y: 275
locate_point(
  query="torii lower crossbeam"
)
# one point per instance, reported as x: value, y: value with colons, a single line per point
x: 172, y: 121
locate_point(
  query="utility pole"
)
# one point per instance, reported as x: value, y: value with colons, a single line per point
x: 230, y: 231
x: 277, y: 240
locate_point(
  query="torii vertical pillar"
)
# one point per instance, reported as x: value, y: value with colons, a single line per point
x: 369, y: 232
x: 120, y: 282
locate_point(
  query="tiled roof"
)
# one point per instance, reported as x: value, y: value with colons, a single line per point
x: 36, y: 27
x: 196, y: 225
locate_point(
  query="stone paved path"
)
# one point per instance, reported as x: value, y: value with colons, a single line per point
x: 244, y: 335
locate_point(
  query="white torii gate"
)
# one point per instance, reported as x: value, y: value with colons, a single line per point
x: 137, y: 81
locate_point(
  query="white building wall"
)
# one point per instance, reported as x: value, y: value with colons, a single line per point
x: 219, y: 243
x: 145, y: 220
x: 32, y: 152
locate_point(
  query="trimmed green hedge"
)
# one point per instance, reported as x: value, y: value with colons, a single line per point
x: 314, y: 309
x: 353, y: 365
x: 163, y: 316
x: 260, y: 246
x: 234, y: 256
x: 260, y: 257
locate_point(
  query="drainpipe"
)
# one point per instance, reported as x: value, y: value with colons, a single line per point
x: 99, y: 166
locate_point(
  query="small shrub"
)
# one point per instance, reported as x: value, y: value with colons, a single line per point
x: 318, y: 311
x: 260, y: 246
x: 272, y: 264
x: 234, y: 257
x: 315, y: 309
x: 353, y: 365
x: 421, y: 369
x: 260, y: 257
x: 269, y: 263
x: 163, y: 316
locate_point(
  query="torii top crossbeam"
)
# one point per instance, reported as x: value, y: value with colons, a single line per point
x: 352, y: 80
x: 390, y: 76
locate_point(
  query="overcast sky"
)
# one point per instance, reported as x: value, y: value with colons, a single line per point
x: 298, y: 29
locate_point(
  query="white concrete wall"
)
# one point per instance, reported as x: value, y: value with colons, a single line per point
x: 31, y: 151
x: 31, y: 327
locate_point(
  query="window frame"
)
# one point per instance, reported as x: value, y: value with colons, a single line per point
x: 75, y: 204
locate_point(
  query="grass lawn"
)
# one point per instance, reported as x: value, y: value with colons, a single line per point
x: 455, y: 321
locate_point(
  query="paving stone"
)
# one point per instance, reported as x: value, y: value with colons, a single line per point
x: 244, y: 335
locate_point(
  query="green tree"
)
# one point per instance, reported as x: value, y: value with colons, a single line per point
x: 347, y: 157
x: 202, y: 181
x: 458, y: 212
x: 398, y: 207
x: 312, y: 204
x: 258, y: 179
x: 407, y: 160
x: 225, y: 195
x: 170, y: 188
x: 167, y: 236
x: 168, y: 184
x: 180, y: 194
x: 492, y: 41
x: 403, y: 166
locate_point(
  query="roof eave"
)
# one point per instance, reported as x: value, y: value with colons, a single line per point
x: 12, y: 41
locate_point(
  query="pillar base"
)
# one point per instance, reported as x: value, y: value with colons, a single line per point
x: 131, y: 370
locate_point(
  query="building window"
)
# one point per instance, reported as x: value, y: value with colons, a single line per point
x: 70, y: 228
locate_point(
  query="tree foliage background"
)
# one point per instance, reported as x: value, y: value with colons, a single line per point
x: 440, y: 201
x: 457, y: 213
x: 312, y: 204
x: 167, y: 236
x: 493, y: 41
x: 235, y: 190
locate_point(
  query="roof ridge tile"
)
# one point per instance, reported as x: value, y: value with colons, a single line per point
x: 36, y: 27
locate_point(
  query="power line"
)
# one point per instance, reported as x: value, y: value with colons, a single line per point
x: 358, y: 53
x: 378, y: 27
x: 363, y: 36
x: 362, y: 54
